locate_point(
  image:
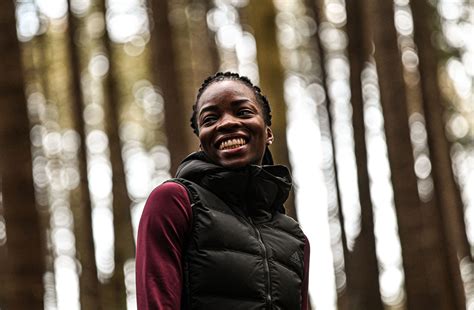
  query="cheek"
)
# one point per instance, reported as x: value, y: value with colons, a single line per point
x: 204, y: 138
x: 261, y: 131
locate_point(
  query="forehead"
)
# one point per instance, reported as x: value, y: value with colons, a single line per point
x: 226, y: 90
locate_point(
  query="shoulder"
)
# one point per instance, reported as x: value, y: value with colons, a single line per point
x: 307, y: 246
x: 169, y: 192
x: 170, y: 199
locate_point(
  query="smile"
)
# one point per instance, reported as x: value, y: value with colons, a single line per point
x: 232, y: 144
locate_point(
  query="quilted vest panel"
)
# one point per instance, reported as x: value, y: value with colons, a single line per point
x: 233, y: 261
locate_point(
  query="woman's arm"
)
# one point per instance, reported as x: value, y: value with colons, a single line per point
x: 304, y: 290
x: 164, y: 226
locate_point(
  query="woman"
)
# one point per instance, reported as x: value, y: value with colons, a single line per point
x: 216, y: 237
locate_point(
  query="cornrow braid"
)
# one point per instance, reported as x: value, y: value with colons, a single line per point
x: 224, y: 76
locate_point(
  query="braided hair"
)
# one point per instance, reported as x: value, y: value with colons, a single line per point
x: 224, y: 76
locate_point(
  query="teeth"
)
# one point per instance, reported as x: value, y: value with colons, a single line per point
x: 231, y: 144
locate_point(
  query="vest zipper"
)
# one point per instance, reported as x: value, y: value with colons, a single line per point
x: 265, y: 265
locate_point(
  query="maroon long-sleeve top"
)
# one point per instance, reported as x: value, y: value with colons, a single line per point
x: 164, y: 227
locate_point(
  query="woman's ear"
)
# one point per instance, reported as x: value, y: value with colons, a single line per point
x: 269, y: 136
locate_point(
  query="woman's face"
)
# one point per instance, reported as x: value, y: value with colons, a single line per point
x: 231, y: 126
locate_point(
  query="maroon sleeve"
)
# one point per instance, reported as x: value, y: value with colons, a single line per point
x: 304, y: 290
x: 164, y: 226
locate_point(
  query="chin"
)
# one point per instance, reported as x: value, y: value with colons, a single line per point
x: 237, y: 163
x: 233, y: 164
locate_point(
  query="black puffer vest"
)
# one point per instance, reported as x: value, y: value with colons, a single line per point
x: 243, y: 253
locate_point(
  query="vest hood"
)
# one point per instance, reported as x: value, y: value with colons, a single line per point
x: 252, y: 188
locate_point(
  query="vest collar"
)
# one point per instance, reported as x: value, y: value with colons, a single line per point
x: 255, y: 190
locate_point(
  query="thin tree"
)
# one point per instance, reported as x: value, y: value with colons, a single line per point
x: 426, y: 278
x: 124, y: 244
x: 446, y: 191
x: 112, y: 290
x: 33, y: 71
x: 317, y: 7
x: 21, y: 286
x: 361, y: 263
x: 206, y: 59
x: 260, y: 15
x: 88, y: 282
x: 167, y: 77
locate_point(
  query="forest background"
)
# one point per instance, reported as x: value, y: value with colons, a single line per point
x: 373, y: 107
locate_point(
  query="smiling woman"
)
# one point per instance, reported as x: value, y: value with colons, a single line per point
x: 216, y: 236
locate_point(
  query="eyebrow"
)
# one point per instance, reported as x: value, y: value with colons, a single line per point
x: 213, y: 107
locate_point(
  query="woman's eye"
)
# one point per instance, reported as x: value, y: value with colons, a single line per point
x: 208, y: 119
x: 245, y: 112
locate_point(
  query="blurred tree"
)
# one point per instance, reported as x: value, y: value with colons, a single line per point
x: 445, y: 190
x: 428, y: 285
x: 183, y: 55
x: 344, y: 300
x: 21, y: 284
x: 88, y: 282
x: 205, y: 60
x: 124, y: 246
x: 166, y: 76
x: 361, y: 263
x: 33, y: 59
x: 260, y: 16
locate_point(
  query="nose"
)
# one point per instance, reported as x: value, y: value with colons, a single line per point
x: 228, y: 122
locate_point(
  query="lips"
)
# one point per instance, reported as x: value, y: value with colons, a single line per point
x: 231, y: 143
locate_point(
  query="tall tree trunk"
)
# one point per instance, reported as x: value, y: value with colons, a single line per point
x: 164, y: 61
x: 446, y: 192
x: 361, y: 263
x: 425, y: 271
x: 260, y: 15
x: 188, y: 21
x: 343, y: 301
x: 88, y: 282
x: 123, y: 232
x: 33, y: 71
x: 21, y: 286
x: 124, y: 248
x: 206, y: 58
x: 180, y: 30
x: 338, y: 241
